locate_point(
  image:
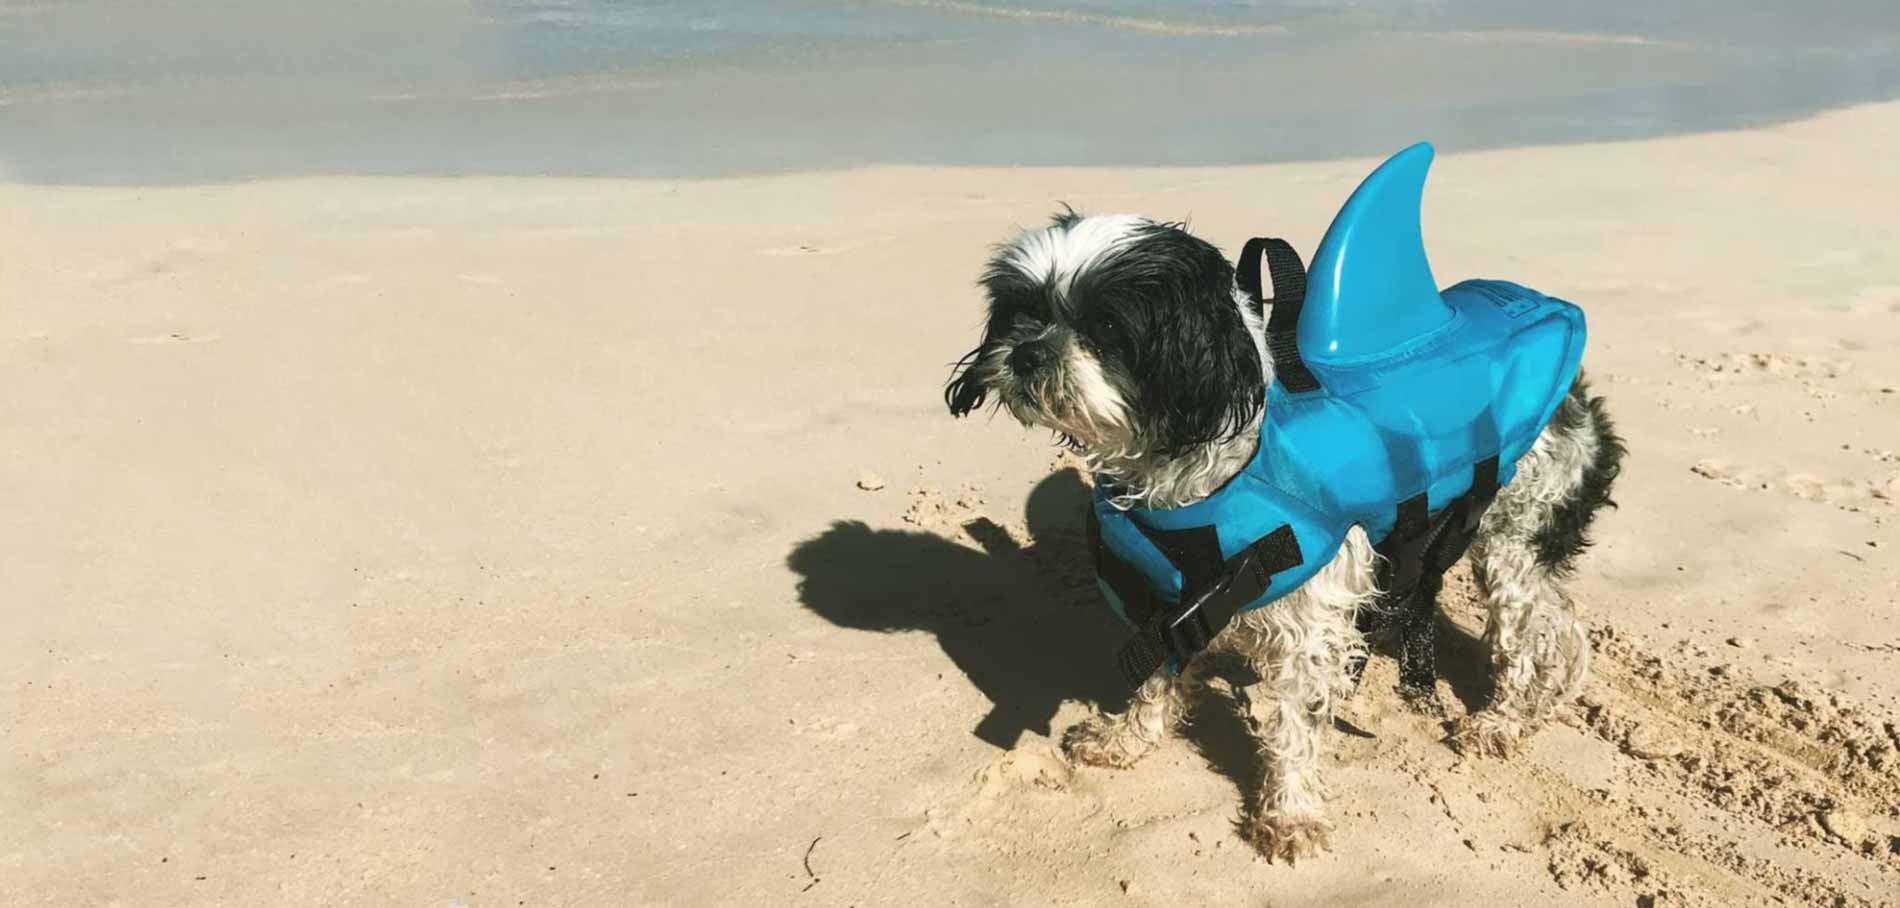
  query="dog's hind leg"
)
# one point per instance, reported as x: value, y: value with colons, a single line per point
x: 1540, y: 652
x: 1120, y: 740
x: 1301, y: 647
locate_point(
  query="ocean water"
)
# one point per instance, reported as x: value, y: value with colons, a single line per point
x: 150, y: 91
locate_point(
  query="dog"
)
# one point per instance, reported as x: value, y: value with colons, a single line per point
x: 1133, y: 342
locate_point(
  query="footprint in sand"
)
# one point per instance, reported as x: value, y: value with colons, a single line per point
x: 997, y: 790
x: 1722, y: 789
x: 962, y: 518
x: 1847, y: 494
x: 1745, y: 365
x: 1719, y: 471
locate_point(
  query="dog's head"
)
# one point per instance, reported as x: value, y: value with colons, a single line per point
x: 1119, y: 333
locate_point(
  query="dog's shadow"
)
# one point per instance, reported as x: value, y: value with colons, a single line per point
x: 1022, y: 620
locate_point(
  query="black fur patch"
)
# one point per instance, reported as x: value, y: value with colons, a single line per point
x: 1160, y: 316
x: 1567, y: 533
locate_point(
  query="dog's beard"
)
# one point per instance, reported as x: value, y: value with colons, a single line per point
x: 1072, y: 397
x: 1079, y: 399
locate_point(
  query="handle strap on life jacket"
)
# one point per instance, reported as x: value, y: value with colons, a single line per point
x: 1289, y: 294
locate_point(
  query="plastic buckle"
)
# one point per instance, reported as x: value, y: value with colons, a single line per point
x: 1189, y: 632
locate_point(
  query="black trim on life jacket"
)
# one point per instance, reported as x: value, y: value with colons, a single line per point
x: 1212, y: 593
x: 1418, y: 551
x: 1289, y: 295
x: 1422, y: 543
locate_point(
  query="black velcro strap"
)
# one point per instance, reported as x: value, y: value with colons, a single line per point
x: 1414, y: 517
x: 1289, y: 295
x: 1208, y: 606
x: 1424, y: 543
x: 1403, y: 549
x: 1484, y: 489
x: 1195, y: 551
x: 1458, y: 526
x: 1156, y: 641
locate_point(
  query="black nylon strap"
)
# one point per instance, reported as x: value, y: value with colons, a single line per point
x: 1459, y: 524
x: 1209, y: 604
x: 1484, y: 487
x: 1195, y: 551
x: 1247, y: 272
x: 1414, y: 517
x: 1404, y: 548
x: 1289, y: 294
x: 1422, y: 543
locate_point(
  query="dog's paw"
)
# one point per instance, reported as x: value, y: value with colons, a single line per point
x: 1288, y: 837
x: 1487, y: 734
x: 1104, y: 741
x: 1423, y: 700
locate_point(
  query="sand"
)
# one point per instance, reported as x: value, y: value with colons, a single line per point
x: 470, y: 542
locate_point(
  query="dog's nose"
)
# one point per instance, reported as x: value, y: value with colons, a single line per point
x: 1027, y: 358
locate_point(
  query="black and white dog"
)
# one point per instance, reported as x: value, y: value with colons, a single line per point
x: 1130, y: 339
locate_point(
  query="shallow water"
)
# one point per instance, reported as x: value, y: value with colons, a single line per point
x: 135, y: 92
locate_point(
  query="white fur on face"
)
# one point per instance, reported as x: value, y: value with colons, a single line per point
x: 1075, y: 399
x: 1078, y: 400
x: 1056, y: 254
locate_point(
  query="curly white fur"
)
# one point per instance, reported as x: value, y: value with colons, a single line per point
x: 1540, y: 650
x: 1300, y: 648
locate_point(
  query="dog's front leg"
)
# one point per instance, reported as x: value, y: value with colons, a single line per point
x: 1118, y: 741
x: 1301, y: 647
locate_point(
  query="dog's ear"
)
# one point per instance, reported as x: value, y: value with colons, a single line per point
x: 1202, y: 380
x: 1206, y: 385
x: 1001, y: 281
x: 966, y: 391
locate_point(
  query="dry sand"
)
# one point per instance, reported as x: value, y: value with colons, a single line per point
x: 501, y: 542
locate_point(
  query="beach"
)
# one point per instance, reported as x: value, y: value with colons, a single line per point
x: 438, y: 541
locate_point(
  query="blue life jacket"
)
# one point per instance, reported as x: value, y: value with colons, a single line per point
x: 1393, y: 407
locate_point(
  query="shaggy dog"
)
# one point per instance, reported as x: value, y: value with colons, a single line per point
x: 1131, y: 340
